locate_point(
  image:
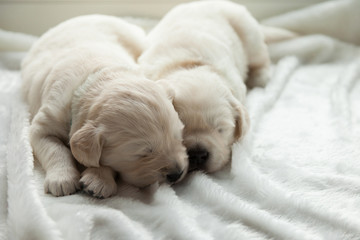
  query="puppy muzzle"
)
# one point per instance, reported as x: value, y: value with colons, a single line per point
x: 174, y: 176
x: 198, y: 156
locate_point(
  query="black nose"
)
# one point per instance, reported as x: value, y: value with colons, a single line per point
x: 197, y: 157
x: 173, y: 177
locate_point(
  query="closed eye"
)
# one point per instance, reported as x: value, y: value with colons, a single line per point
x: 223, y: 130
x: 146, y: 153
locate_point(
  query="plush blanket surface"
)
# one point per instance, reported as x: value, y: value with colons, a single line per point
x: 295, y: 176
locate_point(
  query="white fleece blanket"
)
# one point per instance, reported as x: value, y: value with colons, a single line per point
x: 295, y: 176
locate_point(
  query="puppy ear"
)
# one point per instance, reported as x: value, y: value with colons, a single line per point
x: 86, y: 145
x: 167, y: 87
x: 242, y: 121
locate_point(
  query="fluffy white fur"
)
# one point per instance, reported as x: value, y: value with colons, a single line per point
x: 203, y: 52
x: 86, y: 94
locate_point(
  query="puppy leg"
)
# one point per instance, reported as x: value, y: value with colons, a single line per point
x: 99, y: 182
x: 252, y: 37
x: 62, y: 177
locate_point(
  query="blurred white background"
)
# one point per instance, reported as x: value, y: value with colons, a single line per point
x: 37, y: 16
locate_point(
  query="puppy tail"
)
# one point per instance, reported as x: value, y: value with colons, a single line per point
x: 275, y: 34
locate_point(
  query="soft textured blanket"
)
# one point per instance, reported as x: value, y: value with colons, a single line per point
x: 295, y: 176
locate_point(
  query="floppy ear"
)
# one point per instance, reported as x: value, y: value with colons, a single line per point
x: 242, y: 121
x: 167, y: 87
x: 86, y: 145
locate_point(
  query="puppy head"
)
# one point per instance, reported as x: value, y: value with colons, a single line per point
x: 214, y: 119
x: 132, y: 127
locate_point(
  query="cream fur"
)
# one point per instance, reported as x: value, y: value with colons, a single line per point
x: 86, y: 94
x: 204, y: 51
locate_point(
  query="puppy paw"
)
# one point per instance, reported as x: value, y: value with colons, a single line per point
x: 62, y: 181
x: 98, y: 182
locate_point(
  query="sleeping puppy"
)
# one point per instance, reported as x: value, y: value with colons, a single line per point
x: 204, y: 51
x: 88, y: 101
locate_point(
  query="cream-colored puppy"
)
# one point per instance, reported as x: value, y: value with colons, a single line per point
x: 89, y: 101
x: 204, y: 51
